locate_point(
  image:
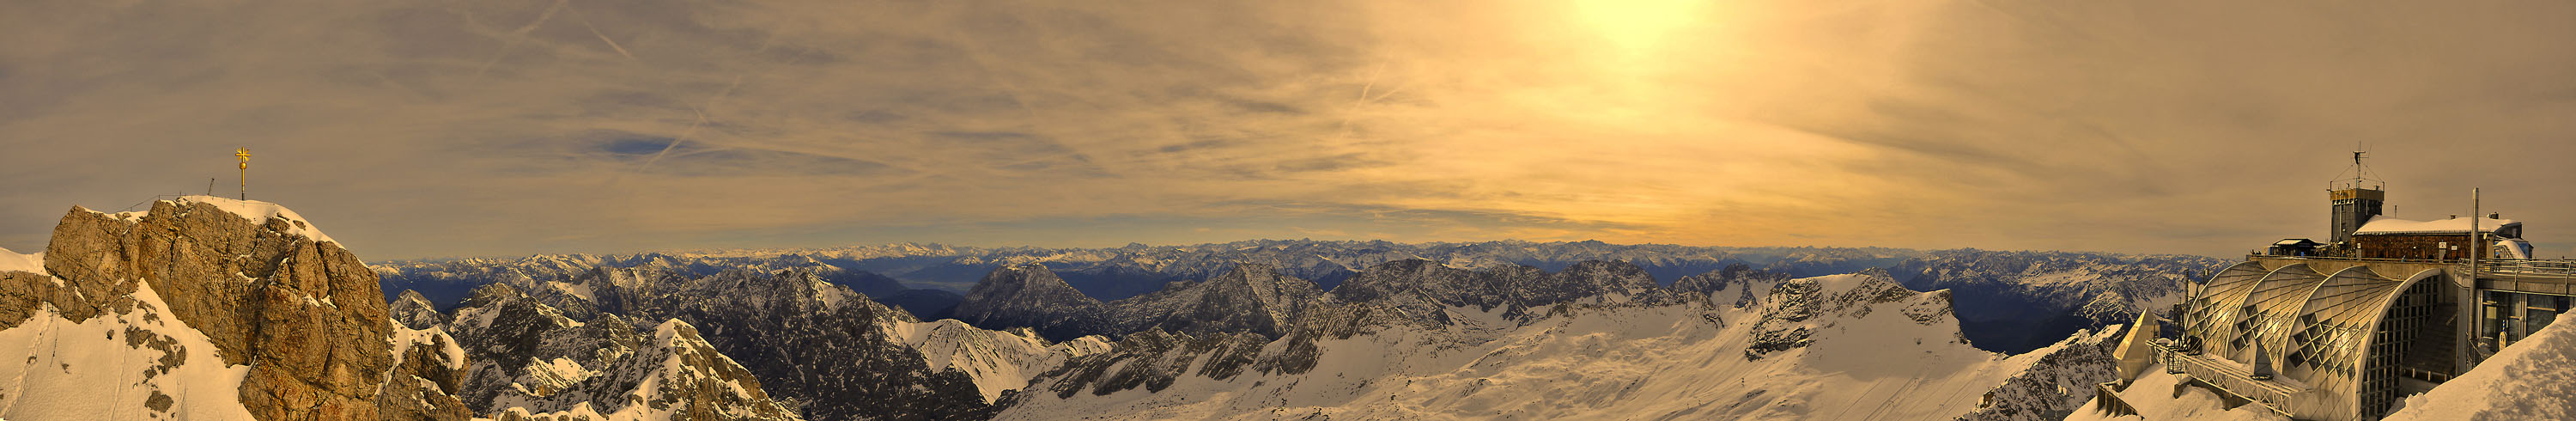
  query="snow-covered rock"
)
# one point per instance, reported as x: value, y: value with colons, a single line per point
x: 2160, y: 396
x: 1119, y: 273
x: 1032, y: 296
x: 1418, y: 340
x: 2013, y: 301
x: 296, y: 325
x: 1252, y: 298
x: 998, y: 361
x: 137, y: 364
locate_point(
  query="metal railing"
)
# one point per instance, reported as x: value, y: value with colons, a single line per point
x: 2108, y: 400
x: 2529, y: 268
x: 2229, y: 380
x: 2526, y: 268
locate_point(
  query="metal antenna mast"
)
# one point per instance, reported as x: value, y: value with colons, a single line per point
x: 244, y: 155
x: 2361, y: 176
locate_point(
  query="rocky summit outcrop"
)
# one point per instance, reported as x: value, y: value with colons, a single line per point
x: 1251, y: 298
x: 1032, y: 296
x: 2016, y: 301
x: 532, y: 362
x: 786, y: 327
x: 261, y: 283
x: 1416, y: 294
x: 819, y: 349
x: 1794, y: 311
x: 411, y: 310
x: 1734, y: 285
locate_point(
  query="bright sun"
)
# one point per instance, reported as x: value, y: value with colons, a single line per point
x: 1638, y: 27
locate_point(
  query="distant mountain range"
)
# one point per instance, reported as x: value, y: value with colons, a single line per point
x: 2012, y: 301
x: 208, y: 308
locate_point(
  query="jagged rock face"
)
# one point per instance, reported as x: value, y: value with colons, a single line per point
x: 1734, y: 285
x: 1032, y: 296
x: 415, y: 312
x: 428, y: 375
x: 826, y: 348
x: 1154, y: 359
x: 2016, y: 301
x: 998, y: 361
x: 1427, y: 283
x: 531, y: 359
x: 2056, y: 280
x: 450, y: 281
x: 1844, y: 338
x: 1405, y: 293
x: 1795, y: 310
x: 1253, y: 298
x: 516, y: 343
x: 694, y: 380
x: 819, y: 349
x: 1125, y: 272
x: 1612, y: 280
x: 1422, y: 290
x: 2079, y: 363
x: 307, y: 316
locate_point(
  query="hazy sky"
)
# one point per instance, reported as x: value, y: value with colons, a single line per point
x: 469, y: 127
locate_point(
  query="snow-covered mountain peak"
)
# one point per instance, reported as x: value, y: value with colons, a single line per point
x: 785, y: 290
x: 1854, y: 346
x: 413, y: 311
x: 264, y: 288
x: 1800, y: 312
x: 1031, y: 296
x: 1252, y: 297
x: 257, y: 212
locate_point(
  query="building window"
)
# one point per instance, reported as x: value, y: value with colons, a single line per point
x: 2537, y: 318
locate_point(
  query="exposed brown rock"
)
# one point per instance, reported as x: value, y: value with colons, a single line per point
x: 307, y: 316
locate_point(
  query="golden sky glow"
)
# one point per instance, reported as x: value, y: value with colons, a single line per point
x: 416, y: 129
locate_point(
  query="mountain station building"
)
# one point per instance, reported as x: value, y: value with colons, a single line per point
x: 2343, y: 330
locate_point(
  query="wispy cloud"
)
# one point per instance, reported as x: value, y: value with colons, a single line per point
x: 485, y: 127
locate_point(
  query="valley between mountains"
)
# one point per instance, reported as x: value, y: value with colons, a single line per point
x: 211, y: 308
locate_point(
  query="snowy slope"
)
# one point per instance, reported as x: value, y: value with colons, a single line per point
x: 259, y: 212
x: 136, y: 365
x: 2160, y: 396
x: 30, y: 262
x: 1865, y: 349
x: 674, y: 375
x: 529, y: 358
x: 998, y: 361
x: 2534, y: 379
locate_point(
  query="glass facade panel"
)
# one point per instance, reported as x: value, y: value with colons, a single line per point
x: 2536, y: 318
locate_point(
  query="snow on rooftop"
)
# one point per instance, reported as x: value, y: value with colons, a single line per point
x: 2527, y: 381
x: 259, y: 212
x: 2387, y: 225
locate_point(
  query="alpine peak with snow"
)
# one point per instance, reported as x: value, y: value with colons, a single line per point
x: 212, y: 308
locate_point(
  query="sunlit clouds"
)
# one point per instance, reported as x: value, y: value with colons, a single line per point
x: 415, y: 129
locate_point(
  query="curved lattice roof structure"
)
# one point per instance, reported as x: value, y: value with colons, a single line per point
x: 2322, y: 328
